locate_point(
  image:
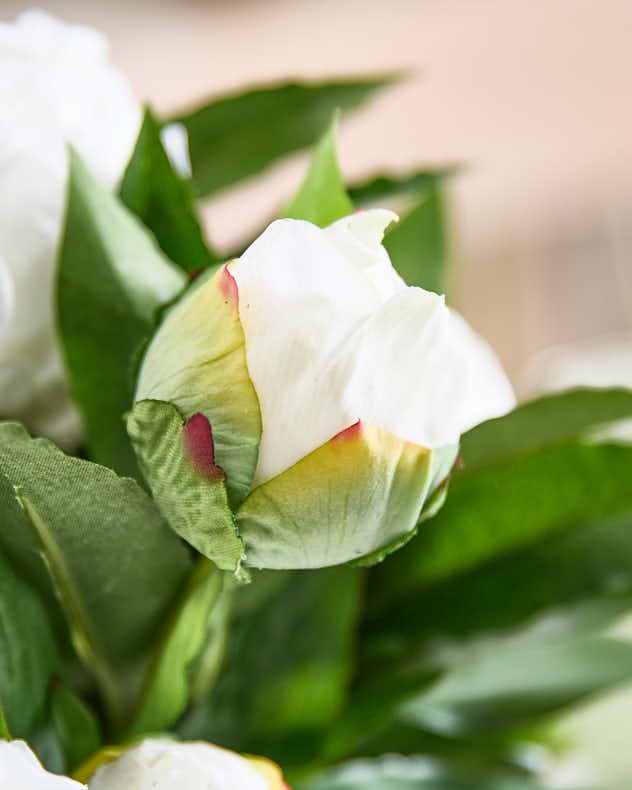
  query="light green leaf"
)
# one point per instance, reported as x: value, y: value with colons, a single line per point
x: 96, y: 542
x: 195, y: 504
x: 76, y: 725
x: 167, y: 691
x: 112, y: 279
x: 417, y: 244
x: 322, y: 198
x: 517, y: 681
x: 28, y: 653
x: 238, y: 136
x: 163, y: 200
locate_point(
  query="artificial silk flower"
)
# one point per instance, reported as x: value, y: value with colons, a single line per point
x: 336, y: 395
x: 56, y: 88
x: 21, y: 770
x: 164, y: 765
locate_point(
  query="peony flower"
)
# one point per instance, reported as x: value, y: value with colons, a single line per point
x: 164, y: 765
x: 21, y: 770
x: 56, y: 87
x: 336, y: 395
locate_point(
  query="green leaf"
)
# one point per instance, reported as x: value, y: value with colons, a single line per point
x: 28, y: 653
x: 505, y: 685
x: 76, y: 725
x: 288, y: 663
x: 322, y: 198
x: 112, y: 279
x: 167, y: 692
x: 590, y: 563
x: 195, y: 504
x: 511, y: 506
x: 417, y: 244
x: 548, y: 420
x: 238, y: 136
x: 163, y: 200
x: 380, y: 190
x: 98, y: 544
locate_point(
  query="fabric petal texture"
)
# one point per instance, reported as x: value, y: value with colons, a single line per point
x: 358, y: 496
x: 197, y: 361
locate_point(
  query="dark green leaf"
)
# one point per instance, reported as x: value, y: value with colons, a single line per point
x: 238, y: 136
x: 380, y: 190
x: 76, y: 725
x: 163, y: 200
x: 417, y: 244
x: 322, y: 198
x: 288, y: 663
x: 167, y: 691
x: 28, y: 654
x: 195, y: 505
x: 590, y: 563
x: 112, y: 279
x: 114, y: 563
x: 510, y: 506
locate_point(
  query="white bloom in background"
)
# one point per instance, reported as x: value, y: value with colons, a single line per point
x: 21, y: 770
x: 56, y: 87
x: 335, y: 393
x: 168, y: 765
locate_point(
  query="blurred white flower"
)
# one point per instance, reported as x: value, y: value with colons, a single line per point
x: 21, y: 770
x: 56, y: 88
x: 165, y: 765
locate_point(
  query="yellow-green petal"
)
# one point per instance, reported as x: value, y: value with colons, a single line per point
x: 197, y: 361
x: 357, y: 497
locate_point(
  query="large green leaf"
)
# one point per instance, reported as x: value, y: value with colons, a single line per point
x: 589, y: 565
x: 503, y: 685
x: 167, y: 691
x: 97, y: 543
x: 28, y: 653
x: 322, y: 198
x: 508, y: 507
x: 163, y: 200
x: 551, y: 419
x: 288, y: 663
x: 189, y: 488
x: 523, y: 479
x: 417, y: 244
x: 112, y: 279
x: 238, y: 136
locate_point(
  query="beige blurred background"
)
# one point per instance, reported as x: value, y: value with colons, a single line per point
x: 532, y: 95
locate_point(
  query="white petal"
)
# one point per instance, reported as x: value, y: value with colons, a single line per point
x: 333, y: 335
x: 7, y: 296
x: 21, y: 770
x: 299, y: 299
x: 165, y: 765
